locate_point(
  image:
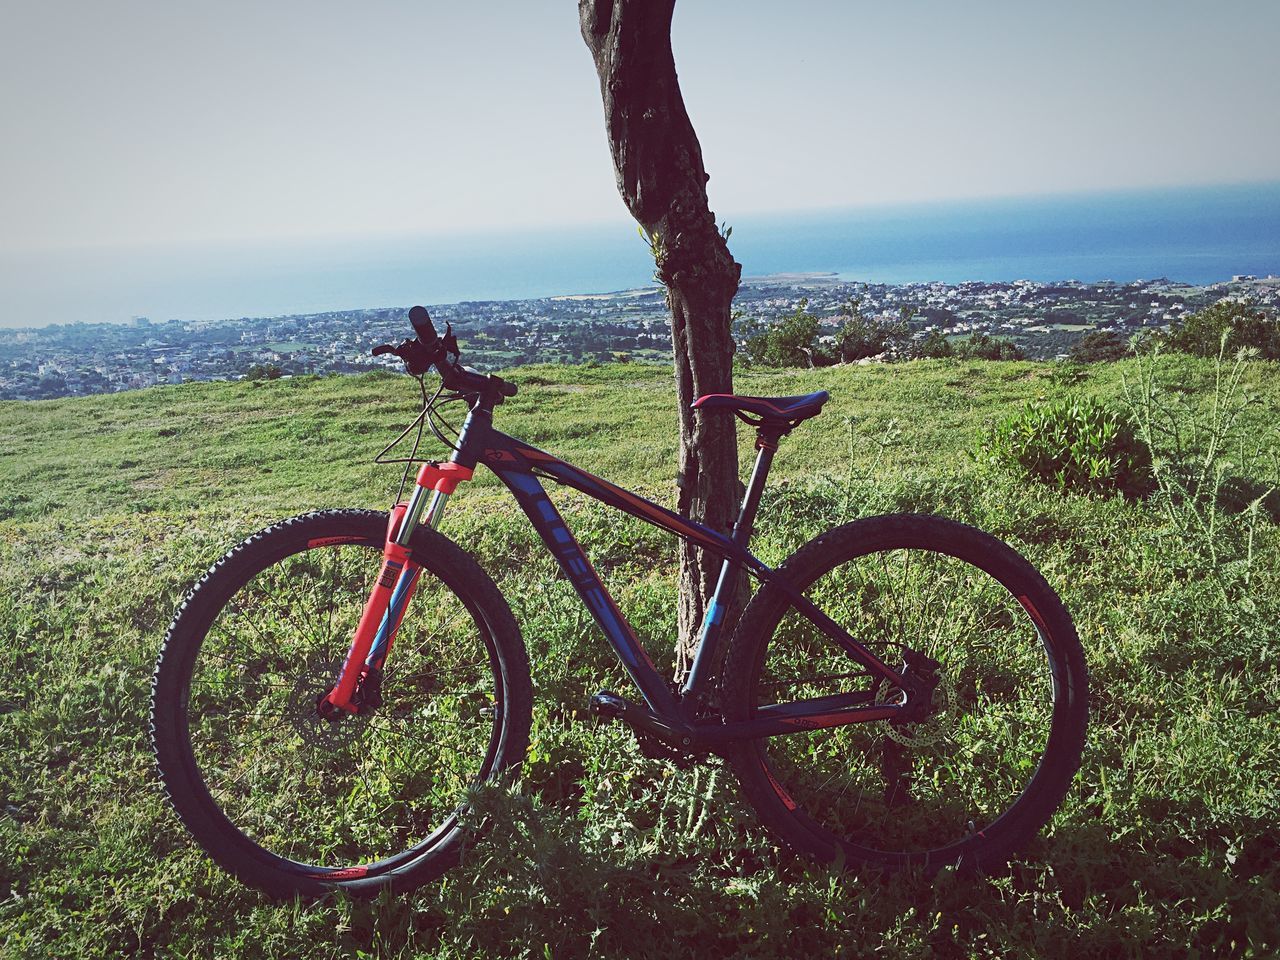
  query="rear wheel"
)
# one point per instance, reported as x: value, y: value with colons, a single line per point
x: 294, y: 803
x: 992, y: 760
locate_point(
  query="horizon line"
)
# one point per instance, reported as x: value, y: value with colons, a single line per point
x: 623, y: 220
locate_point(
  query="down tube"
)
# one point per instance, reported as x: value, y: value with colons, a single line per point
x: 546, y: 519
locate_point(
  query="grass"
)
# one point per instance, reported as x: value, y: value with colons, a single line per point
x: 111, y: 506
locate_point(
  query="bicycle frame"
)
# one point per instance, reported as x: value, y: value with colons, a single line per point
x: 521, y: 468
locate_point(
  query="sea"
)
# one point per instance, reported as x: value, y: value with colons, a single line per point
x: 1197, y: 235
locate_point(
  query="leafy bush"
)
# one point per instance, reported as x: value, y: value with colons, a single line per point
x: 981, y: 346
x: 1227, y: 326
x: 861, y: 336
x: 264, y: 371
x: 934, y: 346
x: 1073, y: 444
x: 794, y: 340
x: 1101, y: 346
x: 791, y: 342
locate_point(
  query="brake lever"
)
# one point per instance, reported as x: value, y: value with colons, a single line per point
x: 450, y: 342
x: 417, y: 358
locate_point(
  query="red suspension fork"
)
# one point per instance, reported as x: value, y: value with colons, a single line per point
x: 398, y: 575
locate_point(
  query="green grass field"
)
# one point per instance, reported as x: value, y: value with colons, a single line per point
x: 111, y: 506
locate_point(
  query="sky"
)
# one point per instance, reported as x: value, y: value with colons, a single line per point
x: 139, y: 122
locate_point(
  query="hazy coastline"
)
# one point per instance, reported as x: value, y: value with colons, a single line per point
x: 1194, y: 235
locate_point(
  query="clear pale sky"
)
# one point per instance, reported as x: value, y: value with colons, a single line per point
x: 141, y: 122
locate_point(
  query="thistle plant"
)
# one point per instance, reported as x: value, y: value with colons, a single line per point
x: 1213, y: 468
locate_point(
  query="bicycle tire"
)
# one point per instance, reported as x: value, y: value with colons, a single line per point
x: 296, y: 805
x: 970, y: 785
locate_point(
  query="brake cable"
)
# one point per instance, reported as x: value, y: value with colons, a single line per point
x: 410, y: 460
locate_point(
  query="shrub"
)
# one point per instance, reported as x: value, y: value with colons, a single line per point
x: 791, y: 342
x: 794, y: 340
x: 1227, y: 326
x: 1073, y: 444
x: 1101, y: 346
x: 264, y: 371
x: 932, y: 347
x: 980, y: 346
x: 861, y: 336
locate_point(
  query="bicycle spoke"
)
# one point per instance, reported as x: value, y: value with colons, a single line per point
x: 951, y: 767
x: 337, y: 791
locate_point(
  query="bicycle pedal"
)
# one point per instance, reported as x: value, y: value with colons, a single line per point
x: 606, y: 706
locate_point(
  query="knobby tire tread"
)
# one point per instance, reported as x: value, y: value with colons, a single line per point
x: 201, y: 605
x: 748, y: 648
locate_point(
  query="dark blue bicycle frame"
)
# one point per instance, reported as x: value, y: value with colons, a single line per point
x: 522, y: 467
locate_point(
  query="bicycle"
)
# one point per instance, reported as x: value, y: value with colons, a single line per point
x: 902, y: 691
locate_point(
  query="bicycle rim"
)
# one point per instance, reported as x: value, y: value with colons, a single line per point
x: 365, y: 794
x: 959, y: 780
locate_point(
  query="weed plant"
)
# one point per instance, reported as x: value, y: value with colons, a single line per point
x: 1075, y: 443
x: 1215, y: 468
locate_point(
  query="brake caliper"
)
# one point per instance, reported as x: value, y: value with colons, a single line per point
x: 368, y: 695
x: 922, y: 675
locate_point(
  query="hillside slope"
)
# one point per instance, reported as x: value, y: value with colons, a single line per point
x: 111, y: 506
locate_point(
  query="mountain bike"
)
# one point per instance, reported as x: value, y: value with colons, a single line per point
x: 903, y: 691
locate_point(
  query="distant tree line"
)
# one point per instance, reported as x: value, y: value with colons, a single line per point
x: 798, y: 340
x: 1230, y: 325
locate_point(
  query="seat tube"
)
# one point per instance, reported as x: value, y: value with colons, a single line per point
x: 704, y: 657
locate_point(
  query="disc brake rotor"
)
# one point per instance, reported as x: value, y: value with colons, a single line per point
x: 926, y: 732
x: 313, y: 729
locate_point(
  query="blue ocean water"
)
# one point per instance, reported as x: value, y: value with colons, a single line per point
x: 1196, y: 235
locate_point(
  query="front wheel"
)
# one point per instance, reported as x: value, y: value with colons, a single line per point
x: 292, y: 802
x: 964, y: 785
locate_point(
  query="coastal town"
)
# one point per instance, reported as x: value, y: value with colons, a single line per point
x: 1042, y: 319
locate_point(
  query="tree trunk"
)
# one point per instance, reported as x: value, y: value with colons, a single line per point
x: 660, y: 175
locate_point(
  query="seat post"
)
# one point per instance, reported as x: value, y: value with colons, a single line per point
x: 766, y: 445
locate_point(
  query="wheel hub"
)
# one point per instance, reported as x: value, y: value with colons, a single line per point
x: 934, y: 724
x: 315, y: 727
x: 929, y: 711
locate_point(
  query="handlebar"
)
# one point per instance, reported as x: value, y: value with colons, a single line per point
x: 429, y: 350
x: 423, y: 327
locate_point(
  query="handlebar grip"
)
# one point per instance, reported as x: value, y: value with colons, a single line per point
x: 421, y: 321
x: 382, y: 348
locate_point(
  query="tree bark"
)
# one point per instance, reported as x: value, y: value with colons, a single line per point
x: 660, y: 175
